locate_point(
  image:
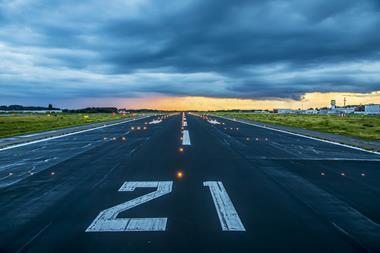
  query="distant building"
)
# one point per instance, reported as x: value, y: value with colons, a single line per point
x: 260, y: 111
x: 323, y: 111
x: 308, y: 111
x: 347, y: 110
x: 372, y: 109
x: 342, y: 110
x: 285, y: 111
x: 123, y: 111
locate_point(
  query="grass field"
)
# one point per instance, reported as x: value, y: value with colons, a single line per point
x: 365, y: 127
x: 16, y: 124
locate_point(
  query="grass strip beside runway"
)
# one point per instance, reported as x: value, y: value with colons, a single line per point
x: 17, y: 124
x: 361, y: 126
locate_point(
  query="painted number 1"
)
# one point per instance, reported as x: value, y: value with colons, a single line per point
x: 228, y: 217
x: 107, y: 220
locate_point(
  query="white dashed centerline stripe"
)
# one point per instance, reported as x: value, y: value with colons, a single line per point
x: 228, y: 217
x: 186, y: 138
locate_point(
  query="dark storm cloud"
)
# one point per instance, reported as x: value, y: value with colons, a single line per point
x: 247, y: 49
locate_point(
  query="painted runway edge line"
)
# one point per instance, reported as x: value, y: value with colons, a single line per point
x: 68, y: 134
x: 301, y: 135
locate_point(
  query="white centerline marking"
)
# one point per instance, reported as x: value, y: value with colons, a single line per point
x: 228, y: 217
x: 186, y: 138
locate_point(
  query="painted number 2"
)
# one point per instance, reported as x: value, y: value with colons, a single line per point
x: 107, y: 220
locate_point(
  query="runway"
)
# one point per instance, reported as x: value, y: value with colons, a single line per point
x: 188, y: 183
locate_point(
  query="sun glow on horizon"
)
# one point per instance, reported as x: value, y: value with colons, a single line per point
x: 309, y: 100
x: 188, y: 103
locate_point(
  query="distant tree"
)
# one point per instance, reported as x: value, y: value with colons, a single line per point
x: 26, y: 108
x: 94, y: 110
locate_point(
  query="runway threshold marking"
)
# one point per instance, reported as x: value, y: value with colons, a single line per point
x: 228, y: 217
x: 107, y: 220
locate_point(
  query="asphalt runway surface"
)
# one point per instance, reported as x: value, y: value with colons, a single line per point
x: 188, y: 184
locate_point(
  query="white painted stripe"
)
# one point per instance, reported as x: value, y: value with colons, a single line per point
x: 155, y: 122
x: 9, y: 175
x: 33, y: 238
x: 68, y: 134
x: 186, y: 138
x: 214, y: 122
x: 29, y: 135
x: 107, y: 220
x: 228, y: 217
x: 85, y: 146
x: 301, y: 135
x: 184, y: 123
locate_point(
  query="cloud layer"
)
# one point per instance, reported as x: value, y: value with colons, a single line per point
x: 259, y: 49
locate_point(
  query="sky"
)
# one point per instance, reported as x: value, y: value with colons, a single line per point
x: 189, y: 54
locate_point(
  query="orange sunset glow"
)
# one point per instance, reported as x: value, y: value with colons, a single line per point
x: 309, y: 100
